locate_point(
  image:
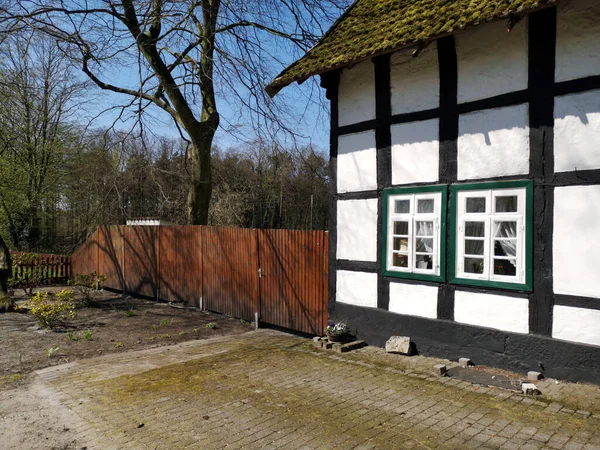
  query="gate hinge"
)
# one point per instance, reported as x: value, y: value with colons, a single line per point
x: 260, y: 273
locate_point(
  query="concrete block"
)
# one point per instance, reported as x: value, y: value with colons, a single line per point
x: 534, y: 376
x: 327, y: 345
x: 317, y: 342
x: 440, y: 369
x: 398, y: 344
x: 465, y: 362
x: 337, y: 347
x: 530, y: 389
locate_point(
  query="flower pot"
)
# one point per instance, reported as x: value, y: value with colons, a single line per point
x: 338, y: 337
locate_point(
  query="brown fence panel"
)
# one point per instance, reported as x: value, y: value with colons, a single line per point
x: 292, y: 279
x: 141, y: 260
x: 85, y: 258
x: 180, y: 264
x: 48, y: 268
x: 230, y: 263
x: 110, y: 255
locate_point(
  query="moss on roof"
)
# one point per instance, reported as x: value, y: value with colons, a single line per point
x: 374, y: 27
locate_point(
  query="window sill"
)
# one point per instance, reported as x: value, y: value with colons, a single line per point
x: 524, y: 287
x: 413, y: 276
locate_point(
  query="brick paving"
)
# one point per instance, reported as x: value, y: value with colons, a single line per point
x: 269, y: 390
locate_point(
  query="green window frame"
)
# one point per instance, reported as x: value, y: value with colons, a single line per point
x: 414, y: 237
x: 491, y: 234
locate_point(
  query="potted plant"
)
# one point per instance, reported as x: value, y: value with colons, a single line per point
x: 337, y: 332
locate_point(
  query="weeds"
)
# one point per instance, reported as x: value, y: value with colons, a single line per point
x: 165, y: 336
x: 87, y: 335
x: 211, y: 325
x: 196, y: 330
x: 153, y: 327
x: 52, y: 351
x: 118, y: 344
x: 7, y: 304
x: 88, y: 286
x: 71, y: 336
x: 129, y: 313
x: 165, y: 322
x: 181, y: 333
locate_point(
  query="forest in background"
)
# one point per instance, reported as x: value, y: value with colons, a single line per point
x: 60, y: 179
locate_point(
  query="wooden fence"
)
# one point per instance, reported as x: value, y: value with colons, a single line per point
x: 280, y: 274
x: 46, y: 268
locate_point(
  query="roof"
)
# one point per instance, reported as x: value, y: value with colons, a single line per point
x: 373, y: 27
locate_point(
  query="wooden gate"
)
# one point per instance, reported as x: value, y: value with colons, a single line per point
x: 293, y: 279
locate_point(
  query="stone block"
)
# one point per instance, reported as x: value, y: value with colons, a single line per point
x: 398, y: 344
x: 440, y: 369
x: 465, y: 362
x: 337, y: 347
x: 530, y: 389
x: 534, y: 376
x: 327, y: 345
x: 317, y: 342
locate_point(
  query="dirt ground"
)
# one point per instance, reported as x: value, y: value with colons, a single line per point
x: 116, y: 324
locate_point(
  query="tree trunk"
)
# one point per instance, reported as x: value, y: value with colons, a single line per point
x: 201, y: 189
x: 5, y: 268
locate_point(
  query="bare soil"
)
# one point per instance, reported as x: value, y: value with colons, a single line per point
x: 116, y: 324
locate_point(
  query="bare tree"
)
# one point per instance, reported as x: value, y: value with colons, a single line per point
x: 187, y: 54
x: 39, y: 99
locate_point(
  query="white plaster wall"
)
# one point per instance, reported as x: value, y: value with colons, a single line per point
x: 577, y: 131
x: 415, y: 152
x: 492, y: 311
x: 357, y: 230
x: 357, y: 162
x: 491, y: 61
x: 356, y: 288
x: 576, y: 241
x: 577, y: 36
x: 415, y: 82
x: 414, y: 300
x: 494, y: 143
x: 576, y: 324
x: 356, y: 102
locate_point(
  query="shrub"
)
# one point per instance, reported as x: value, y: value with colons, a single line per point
x: 51, y: 310
x: 88, y: 286
x: 27, y: 272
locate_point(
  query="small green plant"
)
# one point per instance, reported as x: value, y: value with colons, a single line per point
x: 165, y: 336
x: 88, y: 286
x: 52, y: 351
x: 244, y: 321
x: 151, y: 338
x: 51, y: 310
x: 7, y: 304
x: 118, y: 344
x: 153, y: 327
x: 165, y: 322
x: 196, y: 330
x: 129, y: 313
x: 181, y: 333
x: 71, y: 336
x: 211, y: 325
x: 87, y: 335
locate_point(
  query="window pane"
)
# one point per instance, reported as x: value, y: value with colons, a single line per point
x: 424, y: 228
x: 425, y: 206
x: 402, y: 207
x: 476, y: 205
x: 475, y: 229
x: 506, y: 204
x: 400, y: 260
x: 473, y: 265
x: 505, y: 267
x: 473, y: 247
x: 424, y: 262
x: 424, y: 245
x: 401, y: 244
x: 505, y: 229
x: 505, y: 248
x: 401, y: 228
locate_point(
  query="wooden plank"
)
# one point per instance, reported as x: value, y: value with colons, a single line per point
x: 230, y: 264
x: 141, y: 260
x: 85, y: 259
x: 110, y: 255
x: 180, y: 264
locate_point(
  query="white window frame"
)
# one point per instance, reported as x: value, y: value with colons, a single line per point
x: 489, y: 217
x: 412, y: 217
